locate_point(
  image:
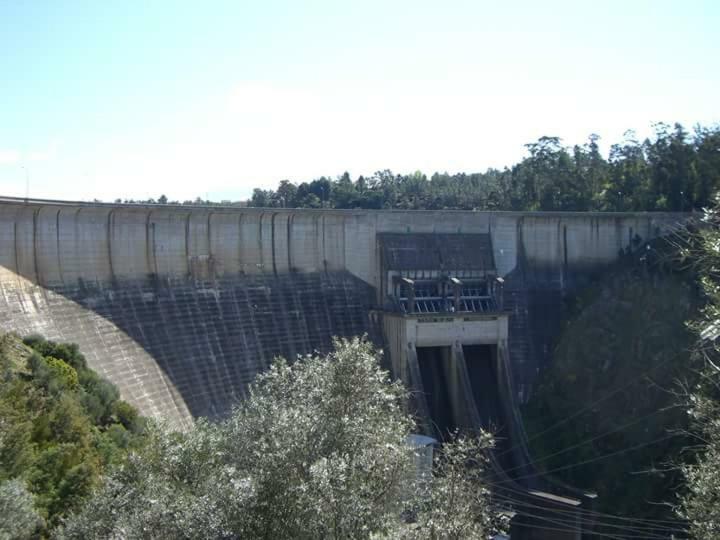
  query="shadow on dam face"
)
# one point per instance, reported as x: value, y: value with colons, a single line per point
x: 180, y: 349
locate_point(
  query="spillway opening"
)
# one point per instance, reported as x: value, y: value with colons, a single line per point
x: 433, y: 363
x: 482, y: 372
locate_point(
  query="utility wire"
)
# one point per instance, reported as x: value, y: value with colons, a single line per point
x: 592, y: 460
x: 582, y: 443
x: 679, y: 525
x: 526, y: 492
x: 569, y: 527
x: 577, y: 513
x: 554, y: 529
x: 590, y: 406
x: 575, y: 516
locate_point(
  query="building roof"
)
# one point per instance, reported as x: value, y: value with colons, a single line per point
x: 436, y: 251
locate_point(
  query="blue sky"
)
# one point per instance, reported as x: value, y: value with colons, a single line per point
x: 133, y: 99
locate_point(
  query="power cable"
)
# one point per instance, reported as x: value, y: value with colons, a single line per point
x: 587, y: 441
x: 571, y: 527
x: 592, y: 460
x: 659, y: 523
x: 526, y: 493
x: 589, y: 406
x: 575, y: 516
x: 555, y: 529
x: 540, y: 528
x: 577, y: 513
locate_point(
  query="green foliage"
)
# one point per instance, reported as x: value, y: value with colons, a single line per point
x: 318, y: 450
x: 126, y: 415
x: 61, y: 425
x: 453, y: 508
x: 99, y: 397
x: 700, y: 505
x: 16, y: 430
x: 619, y: 360
x: 68, y: 352
x: 674, y: 170
x: 63, y: 372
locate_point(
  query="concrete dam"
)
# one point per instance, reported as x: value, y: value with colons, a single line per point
x: 181, y: 306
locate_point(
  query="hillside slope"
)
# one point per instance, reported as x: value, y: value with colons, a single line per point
x: 61, y: 427
x: 608, y: 403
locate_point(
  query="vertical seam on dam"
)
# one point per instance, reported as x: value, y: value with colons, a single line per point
x: 272, y: 241
x: 324, y: 256
x: 15, y: 247
x: 188, y: 265
x: 521, y: 262
x: 76, y: 226
x: 344, y: 240
x: 565, y: 254
x: 150, y: 249
x: 154, y: 249
x: 241, y: 268
x: 35, y: 250
x: 260, y: 245
x: 290, y: 219
x: 211, y: 265
x: 380, y: 257
x: 111, y: 215
x: 316, y: 239
x: 57, y: 236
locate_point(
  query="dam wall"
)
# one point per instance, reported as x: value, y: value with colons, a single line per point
x: 181, y: 306
x: 179, y: 349
x: 54, y: 243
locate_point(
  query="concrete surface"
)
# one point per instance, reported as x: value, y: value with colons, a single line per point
x: 182, y: 306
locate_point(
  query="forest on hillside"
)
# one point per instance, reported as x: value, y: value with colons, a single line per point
x: 674, y: 170
x: 611, y: 400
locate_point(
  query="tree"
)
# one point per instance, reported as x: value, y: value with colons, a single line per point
x: 628, y: 186
x: 673, y: 170
x: 318, y: 450
x: 262, y: 198
x: 61, y: 425
x: 457, y: 501
x: 287, y: 194
x: 707, y: 150
x: 701, y: 502
x: 626, y: 337
x: 18, y: 518
x: 671, y: 160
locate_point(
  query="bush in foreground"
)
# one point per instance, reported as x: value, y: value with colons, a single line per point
x: 318, y: 450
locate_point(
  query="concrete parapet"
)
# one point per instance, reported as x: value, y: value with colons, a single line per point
x: 55, y: 242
